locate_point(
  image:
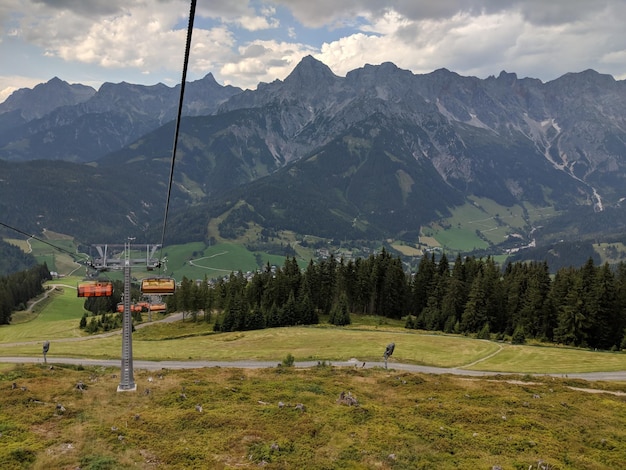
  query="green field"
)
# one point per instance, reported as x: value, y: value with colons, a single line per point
x: 192, y: 260
x: 460, y: 239
x: 612, y: 253
x: 195, y: 260
x: 55, y: 317
x: 56, y: 259
x: 482, y: 222
x: 364, y: 340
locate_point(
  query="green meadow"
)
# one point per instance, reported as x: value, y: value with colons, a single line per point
x: 56, y: 318
x: 482, y: 222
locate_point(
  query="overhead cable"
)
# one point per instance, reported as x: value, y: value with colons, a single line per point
x: 192, y: 14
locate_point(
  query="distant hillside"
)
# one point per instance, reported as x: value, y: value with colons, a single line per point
x: 94, y: 205
x: 13, y: 259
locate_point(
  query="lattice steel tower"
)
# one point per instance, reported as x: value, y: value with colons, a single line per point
x: 105, y: 262
x: 127, y: 382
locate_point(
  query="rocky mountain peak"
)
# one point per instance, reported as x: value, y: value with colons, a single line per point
x: 587, y: 80
x: 310, y: 73
x: 46, y: 97
x: 507, y: 77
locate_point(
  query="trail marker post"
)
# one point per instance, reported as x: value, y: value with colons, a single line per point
x: 388, y: 352
x: 46, y: 348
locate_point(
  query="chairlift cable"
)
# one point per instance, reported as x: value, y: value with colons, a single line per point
x: 192, y: 14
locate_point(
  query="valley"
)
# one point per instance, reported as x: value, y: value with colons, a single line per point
x: 501, y: 167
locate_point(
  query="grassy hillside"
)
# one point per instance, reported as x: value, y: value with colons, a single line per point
x: 55, y: 314
x: 283, y: 418
x: 482, y: 222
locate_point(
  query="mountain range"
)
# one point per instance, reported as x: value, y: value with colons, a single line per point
x: 380, y: 154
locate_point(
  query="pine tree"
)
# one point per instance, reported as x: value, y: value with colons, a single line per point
x: 339, y: 314
x: 289, y: 312
x: 605, y: 333
x: 475, y: 314
x: 393, y: 291
x: 421, y: 284
x: 572, y: 323
x: 272, y: 316
x: 364, y: 288
x: 255, y: 320
x: 185, y: 297
x: 306, y: 311
x: 327, y: 282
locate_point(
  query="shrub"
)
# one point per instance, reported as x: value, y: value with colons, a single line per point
x: 519, y: 337
x: 339, y: 314
x: 289, y: 360
x: 484, y: 333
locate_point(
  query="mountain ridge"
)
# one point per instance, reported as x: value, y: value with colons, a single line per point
x: 95, y: 125
x: 381, y: 153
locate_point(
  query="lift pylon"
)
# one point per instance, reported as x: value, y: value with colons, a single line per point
x: 110, y: 257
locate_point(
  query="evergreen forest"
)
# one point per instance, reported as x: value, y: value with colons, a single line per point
x: 13, y: 259
x: 582, y: 307
x: 18, y: 288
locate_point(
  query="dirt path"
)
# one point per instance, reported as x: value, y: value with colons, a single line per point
x: 46, y: 294
x: 488, y: 356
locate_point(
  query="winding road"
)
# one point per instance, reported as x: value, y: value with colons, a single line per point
x: 619, y: 376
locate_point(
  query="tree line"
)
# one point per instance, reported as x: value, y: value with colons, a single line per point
x: 18, y: 288
x: 583, y: 306
x: 13, y: 259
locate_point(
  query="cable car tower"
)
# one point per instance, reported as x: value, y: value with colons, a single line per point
x: 156, y: 285
x: 108, y: 261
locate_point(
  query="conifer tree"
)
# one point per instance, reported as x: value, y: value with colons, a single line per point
x: 605, y: 332
x: 339, y: 314
x: 327, y: 280
x: 475, y: 312
x: 421, y: 284
x: 289, y: 312
x: 306, y: 310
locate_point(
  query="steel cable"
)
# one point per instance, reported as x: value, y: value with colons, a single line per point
x: 192, y: 14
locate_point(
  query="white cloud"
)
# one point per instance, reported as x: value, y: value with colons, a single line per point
x: 11, y: 83
x: 257, y: 23
x: 243, y: 42
x: 263, y: 61
x: 484, y: 44
x: 120, y: 37
x: 424, y: 46
x: 324, y: 12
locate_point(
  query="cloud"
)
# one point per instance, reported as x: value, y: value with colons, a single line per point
x: 85, y: 8
x: 112, y: 35
x: 147, y: 35
x: 263, y: 61
x: 323, y: 12
x: 483, y: 41
x: 11, y: 83
x: 243, y: 42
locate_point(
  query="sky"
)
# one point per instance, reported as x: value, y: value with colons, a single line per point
x: 244, y: 42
